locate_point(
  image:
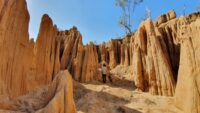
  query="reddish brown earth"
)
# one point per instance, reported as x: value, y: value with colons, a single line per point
x: 161, y: 58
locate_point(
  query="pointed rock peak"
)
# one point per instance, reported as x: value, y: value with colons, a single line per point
x: 74, y: 28
x: 46, y: 19
x: 172, y: 14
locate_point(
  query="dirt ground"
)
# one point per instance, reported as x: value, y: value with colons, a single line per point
x: 120, y: 96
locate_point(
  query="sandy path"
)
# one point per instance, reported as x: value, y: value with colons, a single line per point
x: 119, y: 97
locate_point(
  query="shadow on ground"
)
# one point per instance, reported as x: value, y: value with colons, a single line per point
x: 89, y: 101
x: 116, y: 83
x: 122, y: 83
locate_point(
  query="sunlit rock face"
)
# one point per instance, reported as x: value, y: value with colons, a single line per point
x: 16, y: 51
x: 187, y: 95
x: 152, y: 51
x: 163, y: 55
x: 171, y: 63
x: 151, y: 62
x: 27, y: 65
x: 57, y: 97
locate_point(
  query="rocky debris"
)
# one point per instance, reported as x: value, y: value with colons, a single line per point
x: 54, y: 98
x: 187, y: 95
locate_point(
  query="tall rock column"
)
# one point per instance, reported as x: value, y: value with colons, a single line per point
x: 45, y: 50
x: 15, y: 47
x: 138, y: 69
x: 69, y: 47
x: 90, y: 64
x: 157, y: 75
x: 187, y: 96
x: 78, y: 62
x: 113, y: 48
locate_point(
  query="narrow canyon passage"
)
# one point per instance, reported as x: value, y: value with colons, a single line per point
x: 154, y: 69
x: 120, y: 96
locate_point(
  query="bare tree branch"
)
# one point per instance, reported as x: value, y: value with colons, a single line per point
x: 128, y: 8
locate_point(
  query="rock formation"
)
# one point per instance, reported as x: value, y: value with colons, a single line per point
x: 69, y: 44
x: 90, y: 63
x: 44, y: 50
x: 115, y: 52
x: 113, y: 48
x: 27, y: 65
x: 78, y: 62
x: 165, y: 18
x: 16, y: 50
x: 152, y: 51
x: 160, y: 54
x: 187, y: 96
x: 155, y: 50
x: 152, y: 68
x: 57, y: 97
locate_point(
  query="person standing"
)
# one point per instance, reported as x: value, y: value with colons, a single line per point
x: 104, y: 72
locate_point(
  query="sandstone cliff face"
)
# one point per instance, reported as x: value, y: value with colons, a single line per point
x: 69, y: 44
x: 115, y: 52
x: 165, y: 18
x: 104, y: 54
x: 57, y: 97
x: 78, y: 62
x: 85, y: 64
x: 153, y: 51
x: 152, y: 68
x: 45, y: 49
x: 113, y: 48
x: 162, y: 50
x: 90, y: 64
x: 187, y: 97
x: 163, y: 54
x: 27, y: 66
x: 15, y: 48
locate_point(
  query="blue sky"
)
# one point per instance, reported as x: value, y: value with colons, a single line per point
x: 97, y: 20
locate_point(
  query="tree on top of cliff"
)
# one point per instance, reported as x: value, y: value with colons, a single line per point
x: 128, y: 8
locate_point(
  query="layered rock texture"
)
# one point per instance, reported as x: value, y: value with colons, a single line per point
x: 163, y: 56
x: 57, y: 97
x: 152, y: 66
x: 27, y: 65
x: 15, y: 47
x: 152, y: 51
x: 188, y: 86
